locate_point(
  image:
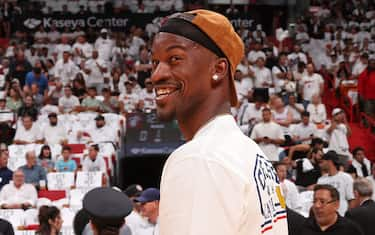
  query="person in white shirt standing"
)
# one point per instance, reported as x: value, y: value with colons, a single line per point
x: 338, y: 134
x: 343, y: 182
x: 104, y: 45
x: 311, y: 83
x: 65, y: 69
x: 269, y: 135
x: 225, y: 181
x: 95, y: 68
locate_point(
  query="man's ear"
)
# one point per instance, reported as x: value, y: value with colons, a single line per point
x: 220, y: 71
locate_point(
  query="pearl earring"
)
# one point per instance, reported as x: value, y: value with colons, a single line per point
x: 215, y: 77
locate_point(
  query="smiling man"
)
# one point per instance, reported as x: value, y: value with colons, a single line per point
x: 219, y: 182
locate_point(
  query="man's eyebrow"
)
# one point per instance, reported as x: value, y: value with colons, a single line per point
x: 176, y: 46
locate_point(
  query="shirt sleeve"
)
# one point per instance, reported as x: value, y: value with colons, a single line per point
x: 211, y: 196
x: 349, y: 195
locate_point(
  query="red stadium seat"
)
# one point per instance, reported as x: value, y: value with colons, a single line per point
x: 77, y: 148
x: 52, y: 195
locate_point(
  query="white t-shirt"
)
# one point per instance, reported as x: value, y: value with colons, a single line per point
x: 291, y: 194
x: 54, y: 134
x: 96, y: 76
x: 338, y: 140
x: 148, y: 99
x: 68, y: 103
x: 271, y: 130
x: 137, y: 224
x: 294, y: 58
x: 60, y: 48
x: 226, y: 185
x: 85, y: 48
x: 278, y: 82
x: 262, y: 76
x: 130, y: 100
x: 254, y: 55
x: 343, y: 182
x: 104, y: 134
x: 301, y: 131
x: 9, y: 194
x: 97, y: 165
x: 31, y: 135
x: 318, y: 113
x: 311, y: 85
x: 104, y: 47
x: 65, y: 71
x: 296, y: 115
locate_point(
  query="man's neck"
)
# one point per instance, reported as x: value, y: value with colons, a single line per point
x: 324, y: 227
x: 333, y: 172
x: 363, y: 200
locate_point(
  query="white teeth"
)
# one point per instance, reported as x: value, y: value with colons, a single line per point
x: 163, y: 91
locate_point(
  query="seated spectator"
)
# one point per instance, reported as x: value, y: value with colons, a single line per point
x: 128, y: 100
x: 343, y: 182
x: 49, y: 107
x: 45, y: 159
x: 37, y: 77
x: 268, y: 135
x: 304, y: 148
x: 5, y: 173
x: 37, y: 97
x: 55, y: 93
x: 33, y: 172
x: 102, y: 133
x: 360, y: 163
x: 68, y: 103
x: 304, y: 131
x: 250, y: 114
x: 54, y: 132
x: 109, y: 104
x: 295, y: 108
x: 28, y: 108
x: 14, y: 99
x: 90, y: 103
x: 18, y: 194
x: 283, y: 117
x: 147, y: 96
x: 50, y: 221
x: 324, y: 218
x: 308, y: 170
x: 94, y: 162
x: 28, y: 132
x: 289, y: 189
x: 79, y: 87
x: 66, y: 164
x: 338, y: 134
x: 65, y: 69
x: 317, y: 110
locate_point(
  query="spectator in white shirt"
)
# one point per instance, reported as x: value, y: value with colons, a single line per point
x: 360, y: 163
x: 82, y: 49
x: 317, y: 110
x: 279, y: 72
x: 68, y: 103
x: 282, y: 116
x: 102, y: 132
x: 128, y: 100
x: 289, y: 189
x: 28, y: 132
x: 17, y: 194
x: 147, y: 96
x: 149, y: 200
x: 250, y: 114
x: 104, y: 45
x: 296, y: 56
x: 295, y: 108
x: 268, y: 135
x: 95, y: 162
x: 360, y: 65
x: 304, y: 131
x: 338, y: 134
x: 62, y: 47
x: 95, y: 68
x: 256, y: 53
x: 312, y: 83
x: 65, y: 69
x: 54, y: 133
x: 263, y: 77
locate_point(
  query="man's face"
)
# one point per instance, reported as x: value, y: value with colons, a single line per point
x: 67, y: 91
x: 180, y: 75
x: 148, y: 210
x: 3, y: 160
x: 100, y: 123
x: 2, y: 104
x: 27, y: 122
x: 149, y: 86
x: 324, y: 207
x: 281, y: 172
x: 324, y: 165
x: 129, y: 87
x: 31, y: 159
x: 28, y: 101
x: 266, y: 116
x: 91, y: 92
x: 305, y: 120
x: 18, y: 178
x: 360, y: 155
x: 66, y: 56
x: 53, y: 121
x: 66, y: 154
x: 95, y: 54
x: 318, y: 156
x: 92, y: 153
x: 310, y: 68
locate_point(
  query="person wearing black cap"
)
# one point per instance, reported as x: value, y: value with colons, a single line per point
x: 101, y: 133
x: 107, y: 209
x: 219, y: 182
x: 340, y: 180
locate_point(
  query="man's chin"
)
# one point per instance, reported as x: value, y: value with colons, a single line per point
x: 165, y: 116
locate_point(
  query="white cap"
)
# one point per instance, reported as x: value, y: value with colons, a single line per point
x: 336, y: 111
x: 103, y: 31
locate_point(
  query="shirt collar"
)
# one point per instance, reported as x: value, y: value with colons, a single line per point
x: 222, y: 120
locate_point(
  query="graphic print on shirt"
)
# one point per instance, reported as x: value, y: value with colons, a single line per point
x: 271, y: 200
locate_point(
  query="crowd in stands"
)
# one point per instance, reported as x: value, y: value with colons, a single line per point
x: 58, y: 89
